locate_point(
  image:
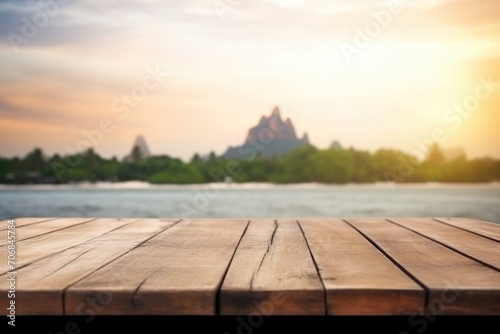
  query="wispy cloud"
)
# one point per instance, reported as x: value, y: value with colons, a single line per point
x: 234, y: 69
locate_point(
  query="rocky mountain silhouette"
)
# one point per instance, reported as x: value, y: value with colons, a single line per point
x: 140, y: 150
x: 272, y: 136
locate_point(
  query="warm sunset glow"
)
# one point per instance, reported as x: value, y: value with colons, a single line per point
x: 193, y: 76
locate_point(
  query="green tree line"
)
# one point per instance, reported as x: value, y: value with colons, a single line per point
x: 306, y: 164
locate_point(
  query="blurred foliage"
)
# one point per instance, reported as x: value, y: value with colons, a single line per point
x: 305, y: 164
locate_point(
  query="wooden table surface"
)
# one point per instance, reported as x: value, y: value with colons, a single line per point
x: 394, y: 266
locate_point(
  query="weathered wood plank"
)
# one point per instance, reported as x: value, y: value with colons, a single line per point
x: 272, y: 273
x: 487, y: 229
x: 41, y: 284
x: 456, y: 284
x: 38, y: 247
x: 111, y: 266
x: 23, y: 232
x: 24, y: 222
x: 359, y: 279
x: 475, y: 246
x: 177, y: 272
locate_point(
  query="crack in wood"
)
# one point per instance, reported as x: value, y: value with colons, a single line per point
x: 133, y: 299
x: 270, y: 244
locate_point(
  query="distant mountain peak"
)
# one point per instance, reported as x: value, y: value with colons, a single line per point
x: 305, y: 138
x: 271, y: 136
x: 276, y: 113
x: 140, y: 149
x: 336, y: 145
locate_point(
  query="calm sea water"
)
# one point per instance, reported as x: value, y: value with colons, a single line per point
x: 252, y: 200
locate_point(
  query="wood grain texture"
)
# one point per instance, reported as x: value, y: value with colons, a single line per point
x: 24, y: 221
x: 39, y: 247
x: 477, y: 247
x: 177, y: 272
x: 273, y: 273
x: 23, y: 232
x: 455, y: 284
x: 358, y: 278
x: 262, y: 267
x: 487, y: 229
x: 43, y: 282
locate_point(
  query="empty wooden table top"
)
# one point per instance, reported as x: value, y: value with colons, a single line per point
x: 393, y: 266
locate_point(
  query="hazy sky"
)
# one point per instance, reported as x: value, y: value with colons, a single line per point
x: 337, y: 69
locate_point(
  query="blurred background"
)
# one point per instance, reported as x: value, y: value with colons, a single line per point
x: 238, y: 108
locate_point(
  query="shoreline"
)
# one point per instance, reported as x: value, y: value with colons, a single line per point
x: 140, y: 185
